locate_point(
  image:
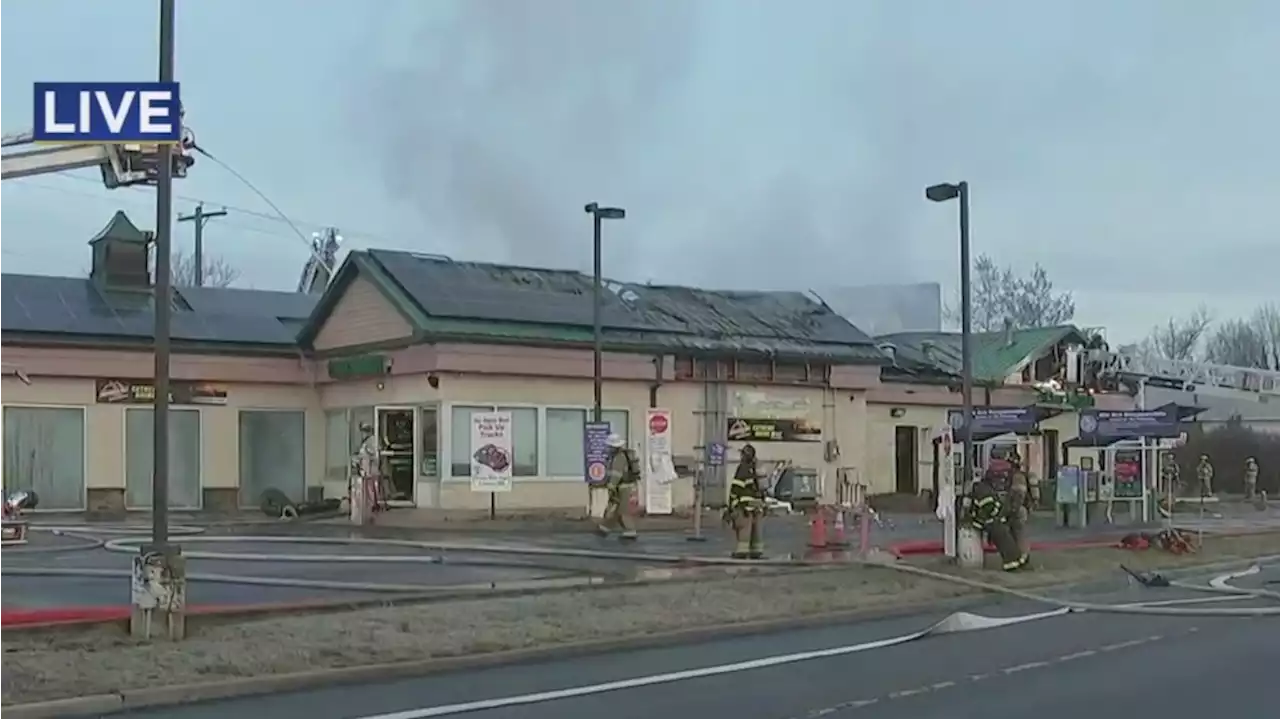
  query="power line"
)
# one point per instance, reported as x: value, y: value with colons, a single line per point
x: 314, y: 226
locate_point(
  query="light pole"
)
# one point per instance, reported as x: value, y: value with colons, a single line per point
x: 943, y: 193
x: 598, y: 215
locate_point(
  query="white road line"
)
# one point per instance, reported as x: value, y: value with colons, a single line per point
x: 1007, y: 671
x: 956, y: 622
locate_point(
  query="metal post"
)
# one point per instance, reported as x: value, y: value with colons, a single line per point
x: 597, y: 331
x: 199, y: 217
x: 966, y: 339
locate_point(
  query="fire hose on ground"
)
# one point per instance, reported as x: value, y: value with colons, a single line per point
x: 125, y: 543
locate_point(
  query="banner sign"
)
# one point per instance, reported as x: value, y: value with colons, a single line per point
x: 491, y: 452
x: 659, y: 468
x: 744, y: 429
x: 996, y: 420
x: 127, y: 391
x: 1117, y: 425
x: 595, y: 443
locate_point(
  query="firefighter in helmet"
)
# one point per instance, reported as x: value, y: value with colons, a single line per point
x: 986, y: 513
x: 746, y: 507
x: 1018, y: 509
x: 1250, y: 479
x: 1204, y: 474
x: 622, y: 473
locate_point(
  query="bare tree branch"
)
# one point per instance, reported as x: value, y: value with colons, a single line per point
x: 217, y: 271
x: 999, y: 294
x: 1252, y: 342
x: 1179, y: 339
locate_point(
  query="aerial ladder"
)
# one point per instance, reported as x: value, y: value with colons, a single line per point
x: 122, y: 165
x: 318, y: 270
x: 1240, y: 384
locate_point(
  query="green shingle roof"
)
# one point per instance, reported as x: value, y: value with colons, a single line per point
x: 996, y: 355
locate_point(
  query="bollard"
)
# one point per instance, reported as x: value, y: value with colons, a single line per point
x: 818, y: 529
x: 864, y: 531
x: 838, y: 536
x: 969, y: 548
x: 697, y: 535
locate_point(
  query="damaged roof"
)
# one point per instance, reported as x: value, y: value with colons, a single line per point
x: 996, y: 355
x: 556, y: 306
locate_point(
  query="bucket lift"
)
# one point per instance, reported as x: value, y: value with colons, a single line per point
x: 122, y: 165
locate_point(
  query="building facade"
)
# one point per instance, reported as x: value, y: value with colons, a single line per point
x: 269, y: 389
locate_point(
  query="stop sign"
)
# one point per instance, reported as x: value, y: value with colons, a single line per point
x: 658, y: 424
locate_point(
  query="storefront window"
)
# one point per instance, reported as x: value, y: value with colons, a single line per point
x: 273, y: 454
x: 429, y: 428
x: 44, y: 453
x: 337, y: 456
x: 184, y: 458
x: 524, y: 440
x: 565, y: 427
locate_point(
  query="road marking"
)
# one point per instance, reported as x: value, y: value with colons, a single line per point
x: 954, y: 623
x: 1007, y: 671
x: 960, y: 621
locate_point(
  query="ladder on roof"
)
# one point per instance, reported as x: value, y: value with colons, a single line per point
x: 318, y: 269
x: 1227, y: 381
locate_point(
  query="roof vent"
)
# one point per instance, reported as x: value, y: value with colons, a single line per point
x: 121, y: 255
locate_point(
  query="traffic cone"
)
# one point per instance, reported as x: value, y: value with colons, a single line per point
x: 838, y: 536
x: 818, y: 529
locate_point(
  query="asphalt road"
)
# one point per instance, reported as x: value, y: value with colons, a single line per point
x: 1093, y: 664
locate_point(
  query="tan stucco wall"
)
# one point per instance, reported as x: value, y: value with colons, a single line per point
x: 882, y: 452
x: 841, y: 415
x: 219, y: 427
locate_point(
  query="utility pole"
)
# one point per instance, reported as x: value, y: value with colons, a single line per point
x: 200, y: 217
x: 158, y: 587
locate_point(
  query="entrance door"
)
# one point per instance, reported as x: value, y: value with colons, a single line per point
x: 905, y: 453
x: 395, y: 426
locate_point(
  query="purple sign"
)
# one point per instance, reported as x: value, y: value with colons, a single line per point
x: 1117, y: 425
x: 595, y: 443
x: 995, y: 421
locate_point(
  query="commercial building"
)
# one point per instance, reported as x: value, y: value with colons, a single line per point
x: 1024, y: 368
x: 270, y: 388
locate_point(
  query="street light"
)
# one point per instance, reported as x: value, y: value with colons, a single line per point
x: 598, y: 214
x: 943, y: 193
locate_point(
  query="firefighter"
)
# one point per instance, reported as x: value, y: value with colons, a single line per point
x: 1204, y: 475
x: 1250, y: 479
x: 746, y: 507
x: 987, y: 514
x: 622, y: 472
x: 362, y: 491
x: 1170, y: 482
x: 1018, y: 507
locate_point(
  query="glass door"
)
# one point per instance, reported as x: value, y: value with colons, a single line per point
x: 396, y: 431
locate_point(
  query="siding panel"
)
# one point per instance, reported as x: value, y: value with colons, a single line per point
x: 362, y: 316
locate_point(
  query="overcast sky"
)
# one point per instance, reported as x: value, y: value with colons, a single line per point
x: 1128, y: 146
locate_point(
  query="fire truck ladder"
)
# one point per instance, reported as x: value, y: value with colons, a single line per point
x: 1245, y: 384
x: 318, y: 270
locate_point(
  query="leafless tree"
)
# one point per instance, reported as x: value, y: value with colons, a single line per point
x: 1180, y: 337
x: 1251, y: 342
x: 1000, y: 294
x: 217, y: 271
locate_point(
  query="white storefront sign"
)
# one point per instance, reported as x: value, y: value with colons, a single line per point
x: 659, y: 469
x: 491, y: 452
